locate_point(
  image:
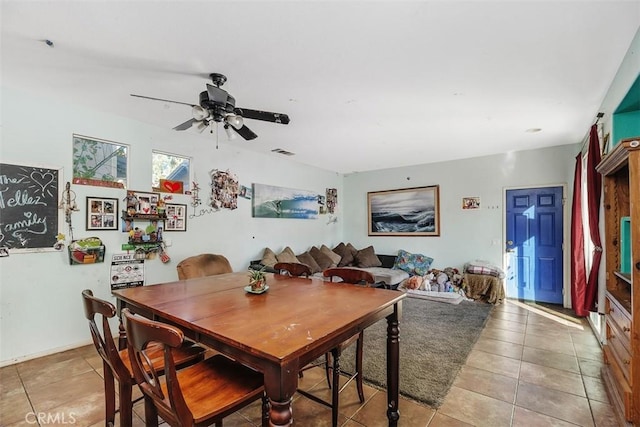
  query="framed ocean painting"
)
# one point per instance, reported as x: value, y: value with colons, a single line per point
x: 280, y: 202
x: 404, y: 212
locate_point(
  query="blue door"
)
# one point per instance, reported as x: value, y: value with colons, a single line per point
x: 534, y: 232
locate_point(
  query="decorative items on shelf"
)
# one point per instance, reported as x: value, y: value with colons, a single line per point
x: 152, y: 233
x: 162, y: 202
x: 147, y: 207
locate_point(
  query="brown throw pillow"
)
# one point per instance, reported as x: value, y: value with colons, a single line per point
x: 287, y: 255
x: 346, y: 258
x: 335, y: 258
x: 323, y: 261
x: 352, y: 252
x: 367, y: 258
x: 307, y: 259
x: 268, y: 258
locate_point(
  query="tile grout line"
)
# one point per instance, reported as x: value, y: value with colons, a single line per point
x: 24, y: 388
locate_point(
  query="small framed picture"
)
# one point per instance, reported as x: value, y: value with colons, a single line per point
x: 102, y: 213
x: 176, y: 217
x: 471, y: 203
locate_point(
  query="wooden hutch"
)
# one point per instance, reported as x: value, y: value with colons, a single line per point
x: 621, y: 372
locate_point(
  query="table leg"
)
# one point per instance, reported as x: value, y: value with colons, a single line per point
x: 122, y: 335
x: 280, y: 384
x: 393, y: 365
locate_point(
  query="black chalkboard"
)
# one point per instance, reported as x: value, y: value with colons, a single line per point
x: 28, y: 206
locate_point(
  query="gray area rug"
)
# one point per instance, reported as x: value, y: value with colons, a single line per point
x: 435, y: 340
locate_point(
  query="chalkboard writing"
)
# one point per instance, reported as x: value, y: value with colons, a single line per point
x: 28, y: 206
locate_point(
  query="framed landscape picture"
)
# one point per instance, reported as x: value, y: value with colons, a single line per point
x: 404, y: 212
x: 279, y: 202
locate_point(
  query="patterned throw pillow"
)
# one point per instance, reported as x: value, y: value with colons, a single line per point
x: 414, y: 264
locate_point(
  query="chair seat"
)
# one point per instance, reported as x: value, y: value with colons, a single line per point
x: 189, y: 353
x: 217, y: 386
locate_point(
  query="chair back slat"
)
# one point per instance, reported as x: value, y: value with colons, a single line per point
x: 293, y: 268
x: 103, y: 340
x: 141, y: 333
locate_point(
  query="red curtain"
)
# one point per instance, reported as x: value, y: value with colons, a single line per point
x: 594, y: 189
x: 578, y: 268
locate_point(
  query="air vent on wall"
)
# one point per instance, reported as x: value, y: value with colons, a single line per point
x: 283, y: 152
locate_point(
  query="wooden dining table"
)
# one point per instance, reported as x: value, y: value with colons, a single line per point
x: 276, y: 332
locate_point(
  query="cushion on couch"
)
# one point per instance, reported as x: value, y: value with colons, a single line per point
x: 323, y: 260
x: 268, y: 258
x: 367, y: 257
x: 335, y: 258
x: 414, y: 264
x: 287, y: 255
x: 307, y: 259
x: 346, y: 257
x: 386, y: 276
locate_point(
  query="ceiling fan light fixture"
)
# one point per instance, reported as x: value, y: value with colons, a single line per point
x: 199, y: 113
x: 234, y: 120
x: 230, y: 134
x: 202, y: 126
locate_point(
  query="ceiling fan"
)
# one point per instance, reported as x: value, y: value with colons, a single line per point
x: 218, y: 106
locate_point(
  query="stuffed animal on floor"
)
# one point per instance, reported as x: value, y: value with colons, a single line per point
x: 454, y: 276
x: 414, y: 282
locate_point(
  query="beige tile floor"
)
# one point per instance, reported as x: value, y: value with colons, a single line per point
x: 529, y: 367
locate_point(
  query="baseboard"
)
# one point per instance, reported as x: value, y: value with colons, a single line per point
x: 44, y: 353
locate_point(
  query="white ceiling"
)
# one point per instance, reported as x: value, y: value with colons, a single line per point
x: 367, y: 85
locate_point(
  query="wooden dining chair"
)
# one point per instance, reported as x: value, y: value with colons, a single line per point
x: 293, y: 269
x: 203, y: 265
x: 354, y: 277
x: 200, y: 395
x: 350, y: 275
x: 116, y: 363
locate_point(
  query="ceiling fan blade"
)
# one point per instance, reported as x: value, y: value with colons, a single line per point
x: 186, y: 125
x: 163, y: 100
x: 263, y: 115
x: 245, y: 132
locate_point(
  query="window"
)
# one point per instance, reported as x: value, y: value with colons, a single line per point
x: 170, y: 167
x: 98, y: 162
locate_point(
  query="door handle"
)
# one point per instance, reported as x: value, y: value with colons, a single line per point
x: 509, y: 248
